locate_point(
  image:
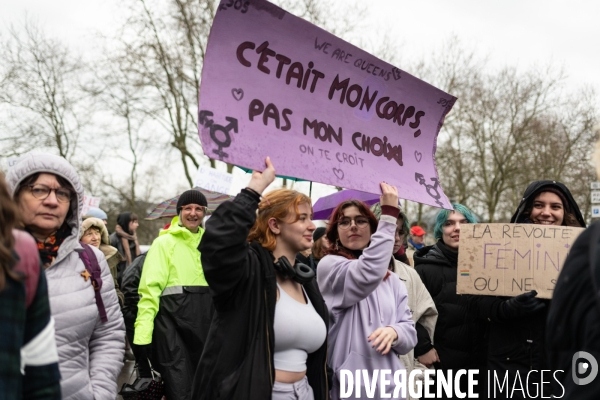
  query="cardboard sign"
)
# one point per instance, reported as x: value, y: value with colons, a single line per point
x: 212, y: 179
x: 510, y: 259
x: 89, y: 201
x: 322, y: 109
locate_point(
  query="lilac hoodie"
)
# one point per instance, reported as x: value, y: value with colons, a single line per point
x: 359, y: 302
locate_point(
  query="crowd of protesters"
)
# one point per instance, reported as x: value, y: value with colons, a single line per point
x: 259, y: 303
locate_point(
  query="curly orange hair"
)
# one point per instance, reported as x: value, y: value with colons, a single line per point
x: 280, y: 204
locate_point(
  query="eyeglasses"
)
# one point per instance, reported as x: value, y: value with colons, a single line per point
x: 346, y: 223
x: 41, y: 192
x: 195, y: 209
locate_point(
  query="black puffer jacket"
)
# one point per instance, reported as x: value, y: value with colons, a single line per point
x: 459, y: 334
x: 574, y: 318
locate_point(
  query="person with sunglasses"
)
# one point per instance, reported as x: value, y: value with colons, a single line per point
x: 370, y: 321
x: 175, y: 307
x: 89, y: 329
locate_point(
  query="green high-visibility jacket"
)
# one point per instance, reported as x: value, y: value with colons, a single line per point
x: 173, y: 262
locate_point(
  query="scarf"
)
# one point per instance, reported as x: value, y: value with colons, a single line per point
x: 125, y: 239
x: 48, y: 249
x: 450, y: 254
x: 416, y: 246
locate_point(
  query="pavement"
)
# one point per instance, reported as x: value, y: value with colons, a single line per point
x: 127, y: 375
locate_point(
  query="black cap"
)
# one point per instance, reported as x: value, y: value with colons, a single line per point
x: 191, y: 196
x: 318, y: 233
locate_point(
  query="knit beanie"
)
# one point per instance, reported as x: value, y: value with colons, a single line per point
x: 318, y: 233
x: 96, y: 213
x: 191, y: 196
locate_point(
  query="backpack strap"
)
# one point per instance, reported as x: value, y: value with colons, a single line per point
x: 91, y: 265
x: 28, y: 263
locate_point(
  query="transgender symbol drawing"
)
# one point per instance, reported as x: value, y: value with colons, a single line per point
x: 223, y: 139
x: 432, y: 190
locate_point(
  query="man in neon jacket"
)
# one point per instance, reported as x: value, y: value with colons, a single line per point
x: 175, y: 307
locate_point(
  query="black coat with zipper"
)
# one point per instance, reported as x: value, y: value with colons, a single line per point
x: 237, y: 362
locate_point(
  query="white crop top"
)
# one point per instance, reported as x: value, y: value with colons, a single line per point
x: 299, y: 331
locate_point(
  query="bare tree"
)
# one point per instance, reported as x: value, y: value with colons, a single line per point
x: 507, y: 129
x: 40, y: 98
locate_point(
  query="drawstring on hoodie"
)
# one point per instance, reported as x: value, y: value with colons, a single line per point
x: 379, y: 307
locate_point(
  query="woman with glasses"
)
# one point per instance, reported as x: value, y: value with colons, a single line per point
x: 368, y: 305
x: 421, y: 304
x: 175, y: 307
x: 89, y: 327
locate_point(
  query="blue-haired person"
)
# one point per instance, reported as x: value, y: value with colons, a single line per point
x: 459, y: 341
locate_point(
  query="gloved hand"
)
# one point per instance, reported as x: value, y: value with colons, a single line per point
x: 521, y: 306
x: 141, y: 353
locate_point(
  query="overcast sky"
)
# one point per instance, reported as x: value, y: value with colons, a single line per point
x: 511, y: 32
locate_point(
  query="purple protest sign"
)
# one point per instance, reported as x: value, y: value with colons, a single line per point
x: 322, y: 109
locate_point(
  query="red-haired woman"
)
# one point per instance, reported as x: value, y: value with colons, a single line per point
x: 370, y: 320
x: 268, y: 334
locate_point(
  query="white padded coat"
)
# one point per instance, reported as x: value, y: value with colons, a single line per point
x: 90, y: 352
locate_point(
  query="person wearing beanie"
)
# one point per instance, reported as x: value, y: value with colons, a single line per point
x: 96, y: 212
x: 175, y: 308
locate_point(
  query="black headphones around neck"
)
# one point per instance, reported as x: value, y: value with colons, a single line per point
x: 300, y: 272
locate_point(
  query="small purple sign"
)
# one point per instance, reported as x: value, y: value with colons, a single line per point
x: 322, y: 109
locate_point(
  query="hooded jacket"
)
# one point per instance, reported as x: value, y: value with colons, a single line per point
x: 237, y: 362
x: 518, y: 346
x: 112, y: 255
x: 175, y: 307
x: 361, y: 301
x: 130, y: 252
x: 90, y: 352
x: 537, y: 187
